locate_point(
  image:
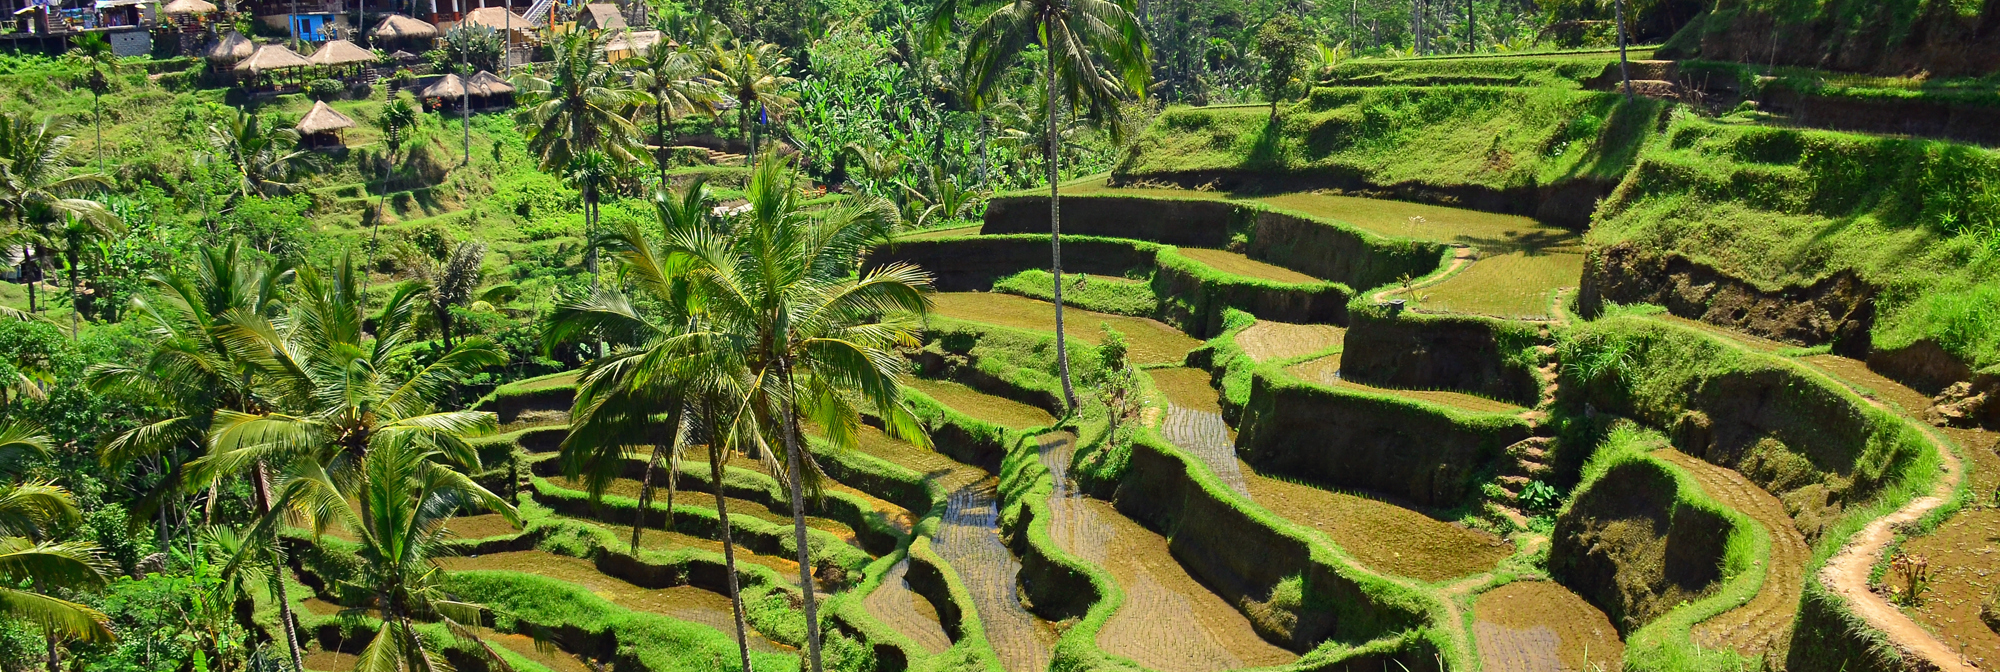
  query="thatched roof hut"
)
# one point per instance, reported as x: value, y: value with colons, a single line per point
x: 449, y: 86
x: 188, y: 7
x: 323, y: 119
x: 397, y: 27
x: 600, y: 16
x: 231, y: 48
x: 632, y: 44
x: 488, y: 84
x: 500, y: 19
x: 401, y: 56
x: 272, y: 57
x: 341, y: 52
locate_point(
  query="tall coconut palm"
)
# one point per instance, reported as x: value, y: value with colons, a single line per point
x: 674, y: 79
x: 591, y: 173
x: 676, y: 360
x: 37, y: 190
x: 28, y: 513
x: 329, y: 394
x: 1075, y: 36
x: 188, y: 371
x: 579, y: 107
x: 754, y: 74
x: 398, y: 118
x: 265, y: 156
x: 100, y: 64
x: 818, y: 338
x: 450, y: 283
x: 78, y: 236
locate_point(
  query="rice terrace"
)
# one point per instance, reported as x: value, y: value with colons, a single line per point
x: 999, y: 335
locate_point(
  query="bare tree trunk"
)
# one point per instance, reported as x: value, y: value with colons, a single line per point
x: 794, y: 465
x: 1055, y: 235
x: 1624, y: 73
x: 263, y: 488
x: 716, y: 456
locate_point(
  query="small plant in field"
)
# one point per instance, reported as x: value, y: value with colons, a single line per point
x: 1915, y: 573
x: 1539, y: 497
x: 1116, y: 382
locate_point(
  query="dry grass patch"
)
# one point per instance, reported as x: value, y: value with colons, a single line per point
x: 995, y: 409
x: 1383, y: 536
x: 1267, y: 340
x: 1237, y: 264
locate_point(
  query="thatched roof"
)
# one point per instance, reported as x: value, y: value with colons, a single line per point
x: 488, y: 84
x: 272, y: 57
x: 323, y: 118
x: 396, y: 26
x: 601, y: 15
x: 450, y: 86
x: 497, y: 18
x: 341, y: 52
x: 232, y: 47
x: 188, y: 7
x: 636, y: 42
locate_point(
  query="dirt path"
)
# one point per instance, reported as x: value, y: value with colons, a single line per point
x: 896, y: 605
x: 1846, y: 573
x: 1169, y: 621
x: 687, y: 603
x: 1762, y: 627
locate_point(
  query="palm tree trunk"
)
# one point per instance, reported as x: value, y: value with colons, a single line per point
x: 715, y: 460
x: 75, y: 309
x: 1055, y: 233
x: 660, y: 142
x: 1623, y: 72
x: 263, y: 488
x: 660, y: 450
x: 55, y: 658
x: 97, y: 113
x: 29, y: 262
x: 793, y: 461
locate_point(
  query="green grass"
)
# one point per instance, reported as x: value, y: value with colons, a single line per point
x: 1490, y: 137
x: 1104, y: 294
x: 1785, y: 207
x: 1562, y: 70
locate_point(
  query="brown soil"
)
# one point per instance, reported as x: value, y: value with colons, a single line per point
x: 1762, y: 627
x: 1383, y: 536
x: 1151, y: 341
x: 998, y: 410
x: 686, y: 603
x: 694, y: 495
x: 481, y: 526
x: 895, y: 604
x: 1964, y: 552
x: 1540, y: 626
x: 1267, y: 340
x: 556, y: 660
x: 1169, y: 621
x: 1237, y: 264
x: 330, y: 661
x: 1326, y: 371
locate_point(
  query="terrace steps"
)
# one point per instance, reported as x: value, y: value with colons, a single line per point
x: 1529, y: 463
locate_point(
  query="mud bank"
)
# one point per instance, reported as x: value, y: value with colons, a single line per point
x: 1838, y: 310
x: 1630, y: 547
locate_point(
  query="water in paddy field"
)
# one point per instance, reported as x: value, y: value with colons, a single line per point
x: 968, y: 537
x: 896, y: 604
x: 1168, y: 621
x: 1205, y: 436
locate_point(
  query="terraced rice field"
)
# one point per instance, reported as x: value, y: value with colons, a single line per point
x: 1237, y: 264
x: 693, y: 494
x: 686, y: 603
x: 1151, y: 341
x: 896, y: 516
x: 1193, y: 421
x: 1326, y: 371
x: 1761, y: 628
x: 931, y: 234
x: 330, y: 661
x: 1539, y: 626
x: 1267, y: 340
x: 1514, y: 284
x: 657, y: 539
x: 1169, y: 621
x: 481, y: 526
x: 969, y: 538
x: 991, y: 408
x: 897, y: 605
x: 554, y: 659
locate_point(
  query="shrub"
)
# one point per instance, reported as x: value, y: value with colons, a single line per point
x: 324, y: 89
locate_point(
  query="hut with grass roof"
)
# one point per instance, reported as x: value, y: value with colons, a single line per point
x: 342, y: 56
x: 321, y: 128
x: 490, y: 90
x: 404, y: 32
x: 231, y: 49
x: 270, y: 61
x: 447, y: 91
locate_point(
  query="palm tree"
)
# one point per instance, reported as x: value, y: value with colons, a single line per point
x: 94, y: 53
x: 591, y: 173
x: 579, y: 106
x: 189, y: 372
x: 817, y: 339
x: 1075, y: 35
x: 755, y: 75
x: 78, y: 234
x: 28, y: 513
x: 674, y: 80
x: 36, y: 188
x: 398, y: 117
x: 677, y: 361
x: 264, y: 155
x: 328, y: 395
x: 450, y: 283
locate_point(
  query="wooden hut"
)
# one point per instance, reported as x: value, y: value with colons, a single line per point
x: 404, y: 31
x: 447, y: 91
x: 271, y: 59
x: 489, y: 90
x: 341, y: 55
x: 630, y: 44
x: 600, y: 16
x: 320, y: 129
x: 503, y: 21
x: 232, y: 48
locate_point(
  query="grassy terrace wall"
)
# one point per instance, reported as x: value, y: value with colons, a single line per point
x: 1554, y: 70
x: 553, y: 392
x: 1546, y: 153
x: 1192, y: 294
x: 1643, y: 542
x: 1314, y: 246
x: 1477, y: 355
x: 1890, y: 37
x: 1769, y: 217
